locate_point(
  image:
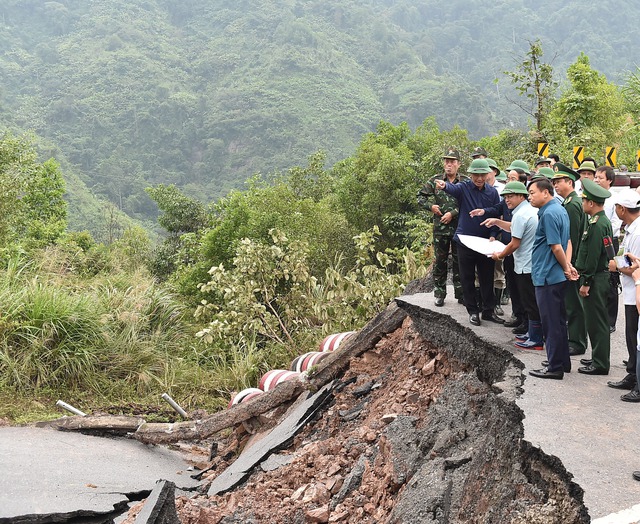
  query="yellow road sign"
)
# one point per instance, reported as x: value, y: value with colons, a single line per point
x: 610, y: 156
x: 638, y: 160
x: 543, y: 148
x: 578, y: 155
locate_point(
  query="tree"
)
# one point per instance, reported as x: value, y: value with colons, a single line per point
x: 590, y: 112
x: 534, y: 80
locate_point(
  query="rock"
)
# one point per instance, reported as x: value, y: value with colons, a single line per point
x: 320, y: 514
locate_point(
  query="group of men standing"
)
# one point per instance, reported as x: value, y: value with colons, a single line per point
x: 559, y: 260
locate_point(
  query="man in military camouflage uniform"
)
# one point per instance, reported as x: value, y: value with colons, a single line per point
x: 445, y: 221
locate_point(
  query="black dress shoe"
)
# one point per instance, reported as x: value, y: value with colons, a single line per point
x: 575, y: 351
x: 590, y: 370
x: 521, y: 329
x: 513, y: 322
x: 545, y: 363
x: 586, y: 361
x: 474, y: 319
x: 545, y: 373
x: 628, y: 382
x: 439, y: 301
x: 636, y: 475
x: 612, y: 329
x: 632, y: 396
x: 461, y: 301
x: 492, y: 317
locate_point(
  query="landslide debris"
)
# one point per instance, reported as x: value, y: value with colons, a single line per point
x: 421, y: 428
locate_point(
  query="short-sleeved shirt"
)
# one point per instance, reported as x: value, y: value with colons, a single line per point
x: 471, y: 197
x: 592, y: 256
x: 523, y: 227
x: 630, y: 244
x: 553, y: 228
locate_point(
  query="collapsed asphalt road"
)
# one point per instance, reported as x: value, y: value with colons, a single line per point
x: 52, y: 476
x: 579, y: 419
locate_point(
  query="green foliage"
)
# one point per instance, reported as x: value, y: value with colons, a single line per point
x: 590, y: 112
x: 31, y: 195
x: 269, y: 298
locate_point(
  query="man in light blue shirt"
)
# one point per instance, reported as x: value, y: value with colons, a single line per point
x: 549, y: 272
x: 523, y: 229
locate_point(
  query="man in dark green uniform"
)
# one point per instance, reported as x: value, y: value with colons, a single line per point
x: 564, y: 183
x: 592, y: 263
x: 445, y: 221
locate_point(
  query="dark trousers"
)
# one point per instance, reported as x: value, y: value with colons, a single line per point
x: 612, y: 298
x: 631, y: 336
x: 441, y: 245
x: 550, y: 299
x: 575, y: 315
x: 528, y: 296
x: 596, y: 320
x: 471, y: 262
x: 517, y: 307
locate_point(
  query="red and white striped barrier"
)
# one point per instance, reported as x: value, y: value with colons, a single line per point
x: 332, y: 342
x: 306, y: 361
x: 276, y: 376
x: 244, y: 396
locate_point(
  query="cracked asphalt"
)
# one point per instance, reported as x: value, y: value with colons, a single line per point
x: 44, y: 472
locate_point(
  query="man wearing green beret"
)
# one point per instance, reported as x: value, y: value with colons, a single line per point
x: 564, y: 181
x: 592, y: 264
x: 445, y: 221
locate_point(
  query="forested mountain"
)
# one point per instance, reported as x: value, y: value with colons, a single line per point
x: 204, y: 93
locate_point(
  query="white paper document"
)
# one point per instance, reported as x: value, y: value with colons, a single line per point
x: 482, y: 245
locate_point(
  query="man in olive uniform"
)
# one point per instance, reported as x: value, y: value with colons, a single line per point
x: 564, y: 183
x: 445, y: 221
x: 592, y: 264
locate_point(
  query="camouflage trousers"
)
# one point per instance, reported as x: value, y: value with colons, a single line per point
x: 442, y: 244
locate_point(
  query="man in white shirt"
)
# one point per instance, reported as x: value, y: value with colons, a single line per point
x: 604, y: 177
x: 627, y: 207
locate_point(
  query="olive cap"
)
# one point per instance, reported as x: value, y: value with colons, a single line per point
x: 514, y: 188
x: 478, y: 151
x: 594, y: 192
x: 452, y: 153
x: 479, y: 166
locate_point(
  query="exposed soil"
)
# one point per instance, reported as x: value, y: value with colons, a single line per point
x: 415, y: 433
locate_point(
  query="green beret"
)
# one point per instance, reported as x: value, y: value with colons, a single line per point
x: 562, y: 171
x: 479, y: 166
x: 514, y: 188
x: 592, y: 191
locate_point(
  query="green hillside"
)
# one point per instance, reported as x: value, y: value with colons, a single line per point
x: 203, y: 94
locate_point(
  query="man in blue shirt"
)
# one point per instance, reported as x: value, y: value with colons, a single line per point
x: 475, y: 194
x: 550, y: 270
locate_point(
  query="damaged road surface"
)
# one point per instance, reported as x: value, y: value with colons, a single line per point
x: 54, y: 476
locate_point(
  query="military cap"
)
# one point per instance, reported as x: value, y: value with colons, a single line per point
x: 478, y: 151
x: 628, y: 198
x: 519, y: 164
x: 451, y: 152
x: 562, y: 171
x: 502, y: 176
x: 479, y: 166
x: 492, y: 164
x: 514, y: 188
x: 542, y: 160
x: 594, y: 192
x: 546, y: 171
x: 587, y: 166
